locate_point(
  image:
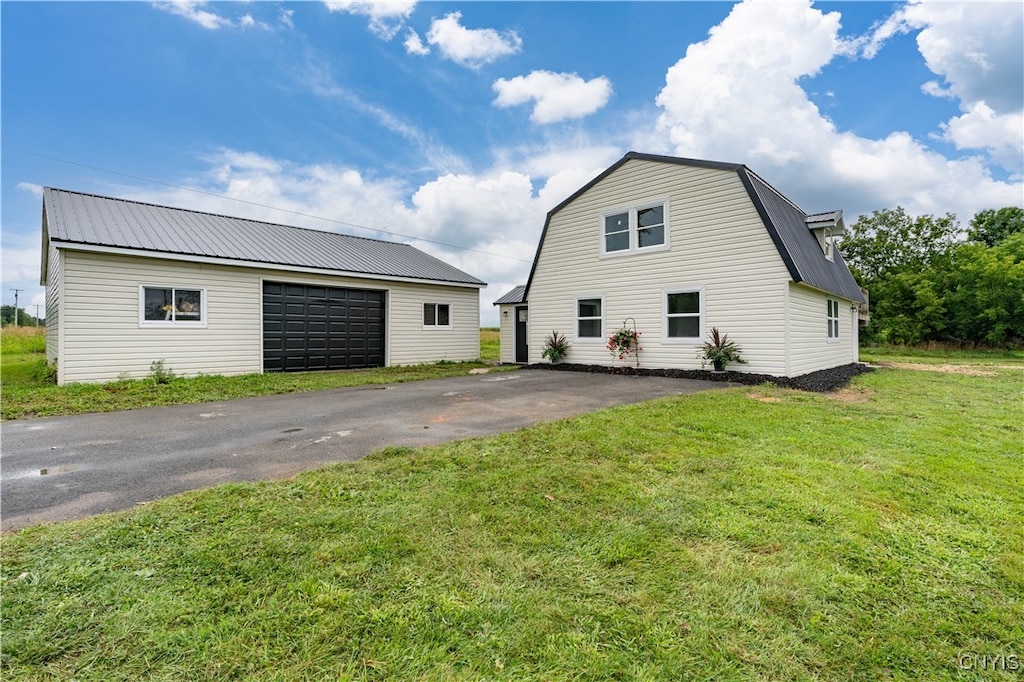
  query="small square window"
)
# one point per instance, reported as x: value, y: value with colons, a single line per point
x: 172, y: 306
x: 437, y: 315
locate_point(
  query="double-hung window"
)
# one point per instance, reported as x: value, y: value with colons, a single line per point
x: 635, y: 228
x: 833, y: 319
x: 437, y: 316
x: 590, y: 318
x: 171, y: 306
x: 684, y: 315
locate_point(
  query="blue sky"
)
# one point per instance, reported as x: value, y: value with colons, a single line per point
x: 457, y: 126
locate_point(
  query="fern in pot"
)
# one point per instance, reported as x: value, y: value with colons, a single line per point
x: 556, y: 347
x: 720, y: 351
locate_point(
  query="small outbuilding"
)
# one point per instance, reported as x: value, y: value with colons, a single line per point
x: 130, y: 283
x: 672, y: 248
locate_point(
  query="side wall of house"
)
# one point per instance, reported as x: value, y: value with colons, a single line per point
x: 717, y: 245
x: 810, y: 348
x: 507, y: 338
x: 54, y: 290
x: 103, y: 339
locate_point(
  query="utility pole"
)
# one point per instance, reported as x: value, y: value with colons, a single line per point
x: 37, y: 314
x: 16, y: 292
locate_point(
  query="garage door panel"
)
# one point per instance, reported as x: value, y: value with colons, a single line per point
x: 316, y: 328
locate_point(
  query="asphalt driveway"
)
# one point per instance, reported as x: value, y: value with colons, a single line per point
x: 72, y: 467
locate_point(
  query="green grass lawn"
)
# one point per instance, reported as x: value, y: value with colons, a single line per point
x: 28, y: 393
x: 740, y: 534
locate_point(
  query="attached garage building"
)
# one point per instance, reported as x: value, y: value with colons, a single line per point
x: 129, y: 284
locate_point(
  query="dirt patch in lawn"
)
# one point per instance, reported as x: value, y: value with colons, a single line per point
x: 764, y: 398
x: 852, y: 394
x: 966, y: 370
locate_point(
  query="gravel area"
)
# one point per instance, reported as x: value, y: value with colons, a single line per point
x: 822, y: 381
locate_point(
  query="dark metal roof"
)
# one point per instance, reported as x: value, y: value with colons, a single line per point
x: 514, y: 296
x: 784, y: 221
x: 89, y: 219
x: 797, y: 245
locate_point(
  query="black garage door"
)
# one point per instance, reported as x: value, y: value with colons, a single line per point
x: 310, y: 328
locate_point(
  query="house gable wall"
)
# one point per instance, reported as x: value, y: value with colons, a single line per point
x: 810, y: 348
x: 717, y: 243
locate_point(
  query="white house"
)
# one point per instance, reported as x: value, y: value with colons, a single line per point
x: 675, y: 247
x: 128, y: 284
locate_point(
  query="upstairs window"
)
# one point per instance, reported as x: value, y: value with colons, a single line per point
x: 634, y: 229
x: 829, y: 244
x: 167, y: 306
x: 833, y: 319
x: 437, y: 315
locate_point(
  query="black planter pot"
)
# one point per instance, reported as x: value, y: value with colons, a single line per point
x: 719, y: 365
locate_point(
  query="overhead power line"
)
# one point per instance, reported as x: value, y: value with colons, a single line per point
x: 267, y: 206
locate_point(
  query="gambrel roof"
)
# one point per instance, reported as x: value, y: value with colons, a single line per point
x: 786, y: 223
x: 105, y: 223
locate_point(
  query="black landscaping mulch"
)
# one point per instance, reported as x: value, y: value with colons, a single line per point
x: 822, y: 381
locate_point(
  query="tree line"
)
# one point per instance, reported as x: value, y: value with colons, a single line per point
x: 24, y: 319
x: 928, y: 281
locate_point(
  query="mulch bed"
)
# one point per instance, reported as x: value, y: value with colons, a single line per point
x: 822, y: 381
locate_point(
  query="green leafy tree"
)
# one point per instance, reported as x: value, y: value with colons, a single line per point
x: 24, y: 319
x: 985, y: 292
x: 926, y: 284
x: 991, y: 226
x: 891, y: 240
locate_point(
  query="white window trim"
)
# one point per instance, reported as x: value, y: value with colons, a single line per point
x: 634, y: 228
x: 829, y: 244
x: 439, y: 327
x: 576, y: 319
x: 204, y: 312
x: 829, y: 338
x: 683, y: 340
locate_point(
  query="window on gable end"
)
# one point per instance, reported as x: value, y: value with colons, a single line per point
x: 635, y: 229
x: 832, y: 324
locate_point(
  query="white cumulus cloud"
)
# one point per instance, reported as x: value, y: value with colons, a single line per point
x: 737, y: 97
x: 414, y: 44
x: 557, y: 96
x: 471, y: 47
x: 386, y: 18
x: 976, y: 48
x: 194, y: 12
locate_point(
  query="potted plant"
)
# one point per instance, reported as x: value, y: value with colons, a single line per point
x: 720, y: 351
x: 556, y: 346
x: 624, y: 342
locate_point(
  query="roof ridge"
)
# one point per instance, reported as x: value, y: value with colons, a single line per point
x: 224, y: 215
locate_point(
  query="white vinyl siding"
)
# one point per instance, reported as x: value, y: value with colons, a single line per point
x: 507, y: 336
x: 718, y: 243
x: 103, y: 340
x: 810, y: 348
x: 54, y: 293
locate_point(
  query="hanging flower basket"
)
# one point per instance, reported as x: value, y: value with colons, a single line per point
x: 624, y: 342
